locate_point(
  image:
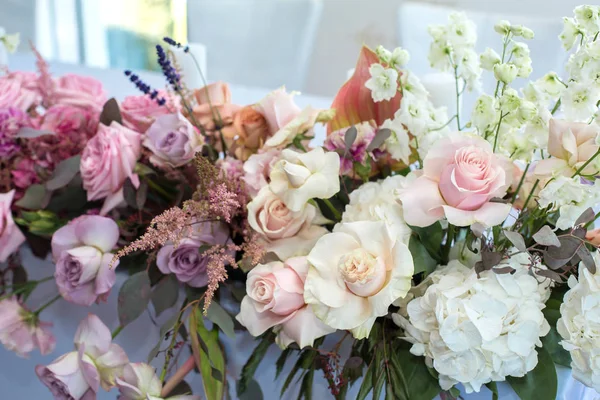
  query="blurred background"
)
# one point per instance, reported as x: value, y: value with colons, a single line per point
x: 308, y: 45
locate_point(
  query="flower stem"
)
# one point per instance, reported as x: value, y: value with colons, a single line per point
x: 449, y: 239
x: 163, y: 374
x: 514, y: 197
x: 117, y: 331
x: 48, y: 304
x: 334, y: 211
x: 586, y: 163
x: 556, y: 106
x: 159, y: 189
x: 531, y: 194
x: 457, y: 97
x: 178, y: 376
x: 498, y: 128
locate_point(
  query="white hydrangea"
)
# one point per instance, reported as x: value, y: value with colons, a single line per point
x: 570, y: 197
x: 579, y: 325
x: 383, y: 83
x: 377, y: 201
x: 477, y: 330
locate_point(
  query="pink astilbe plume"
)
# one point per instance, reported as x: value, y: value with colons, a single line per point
x: 46, y: 84
x: 223, y: 202
x: 219, y: 257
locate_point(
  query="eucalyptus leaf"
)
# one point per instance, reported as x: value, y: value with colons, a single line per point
x: 110, y: 113
x: 547, y: 273
x: 350, y: 137
x: 134, y: 297
x: 540, y: 383
x: 219, y: 316
x: 129, y: 193
x: 141, y: 195
x: 36, y: 197
x: 30, y: 133
x: 381, y: 136
x: 516, y: 239
x: 587, y: 216
x: 478, y: 228
x: 568, y: 248
x: 586, y: 258
x: 64, y: 173
x: 490, y: 259
x: 546, y: 237
x: 504, y: 270
x: 165, y: 294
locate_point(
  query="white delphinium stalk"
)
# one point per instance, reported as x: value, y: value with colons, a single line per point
x: 489, y: 58
x: 477, y: 330
x: 571, y: 31
x: 383, y: 82
x: 570, y: 197
x: 588, y: 17
x: 579, y: 325
x: 398, y: 143
x: 485, y: 114
x: 580, y: 100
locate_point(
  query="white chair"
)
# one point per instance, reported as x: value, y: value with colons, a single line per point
x: 546, y: 51
x: 264, y: 43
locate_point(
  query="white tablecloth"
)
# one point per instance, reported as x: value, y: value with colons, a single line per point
x: 17, y: 377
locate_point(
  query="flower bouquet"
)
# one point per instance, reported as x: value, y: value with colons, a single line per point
x: 439, y: 253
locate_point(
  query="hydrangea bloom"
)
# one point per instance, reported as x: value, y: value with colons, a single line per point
x: 477, y: 330
x: 579, y: 326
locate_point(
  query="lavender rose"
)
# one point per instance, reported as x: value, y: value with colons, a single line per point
x: 185, y: 260
x: 172, y: 140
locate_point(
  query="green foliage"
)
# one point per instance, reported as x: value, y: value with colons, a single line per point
x: 249, y: 369
x: 165, y: 293
x: 431, y: 237
x: 209, y: 356
x: 540, y: 383
x: 421, y: 257
x: 134, y: 297
x: 220, y: 317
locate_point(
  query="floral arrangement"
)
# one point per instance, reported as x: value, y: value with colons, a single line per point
x: 437, y: 249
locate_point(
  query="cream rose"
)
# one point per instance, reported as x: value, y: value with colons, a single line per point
x: 355, y: 273
x: 299, y: 177
x: 285, y: 232
x: 275, y: 298
x: 570, y: 144
x: 461, y: 174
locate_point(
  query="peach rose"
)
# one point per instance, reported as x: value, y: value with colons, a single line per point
x: 570, y: 144
x: 214, y: 110
x: 285, y: 232
x: 252, y: 128
x: 275, y: 298
x: 461, y: 174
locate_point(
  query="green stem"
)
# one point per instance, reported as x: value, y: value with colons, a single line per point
x: 333, y: 210
x: 48, y: 304
x: 586, y: 163
x: 504, y: 47
x: 159, y: 189
x: 117, y: 331
x: 168, y: 353
x: 556, y: 106
x: 590, y: 223
x: 531, y: 194
x: 457, y: 97
x: 498, y: 128
x: 449, y: 239
x: 443, y: 126
x: 514, y: 197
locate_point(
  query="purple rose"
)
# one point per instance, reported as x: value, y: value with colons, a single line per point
x: 185, y: 260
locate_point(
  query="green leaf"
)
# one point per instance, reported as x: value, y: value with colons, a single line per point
x: 421, y: 257
x: 165, y: 293
x: 253, y: 362
x: 181, y: 389
x: 141, y: 195
x: 367, y: 383
x: 305, y: 360
x: 134, y: 297
x: 412, y: 371
x: 431, y: 237
x: 64, y: 173
x: 129, y: 193
x: 540, y: 383
x: 35, y: 198
x: 219, y: 316
x: 281, y: 361
x: 494, y: 389
x: 551, y: 341
x: 379, y: 377
x: 253, y: 392
x: 306, y: 385
x: 209, y: 356
x: 166, y: 327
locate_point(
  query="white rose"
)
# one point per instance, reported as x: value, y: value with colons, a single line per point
x: 356, y: 272
x: 285, y: 232
x: 299, y: 177
x: 377, y: 201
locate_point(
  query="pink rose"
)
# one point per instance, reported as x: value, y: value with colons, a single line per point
x: 11, y: 120
x: 108, y: 159
x: 79, y: 374
x: 185, y: 259
x: 21, y: 331
x: 258, y: 168
x: 278, y: 108
x: 16, y: 91
x: 570, y: 144
x: 80, y: 91
x: 173, y: 140
x: 139, y: 112
x: 285, y: 232
x: 461, y: 174
x: 11, y: 237
x: 275, y: 297
x: 81, y: 251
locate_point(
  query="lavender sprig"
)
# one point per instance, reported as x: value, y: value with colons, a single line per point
x: 168, y: 70
x: 145, y: 88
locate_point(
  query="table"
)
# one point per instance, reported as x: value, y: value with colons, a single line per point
x: 17, y: 378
